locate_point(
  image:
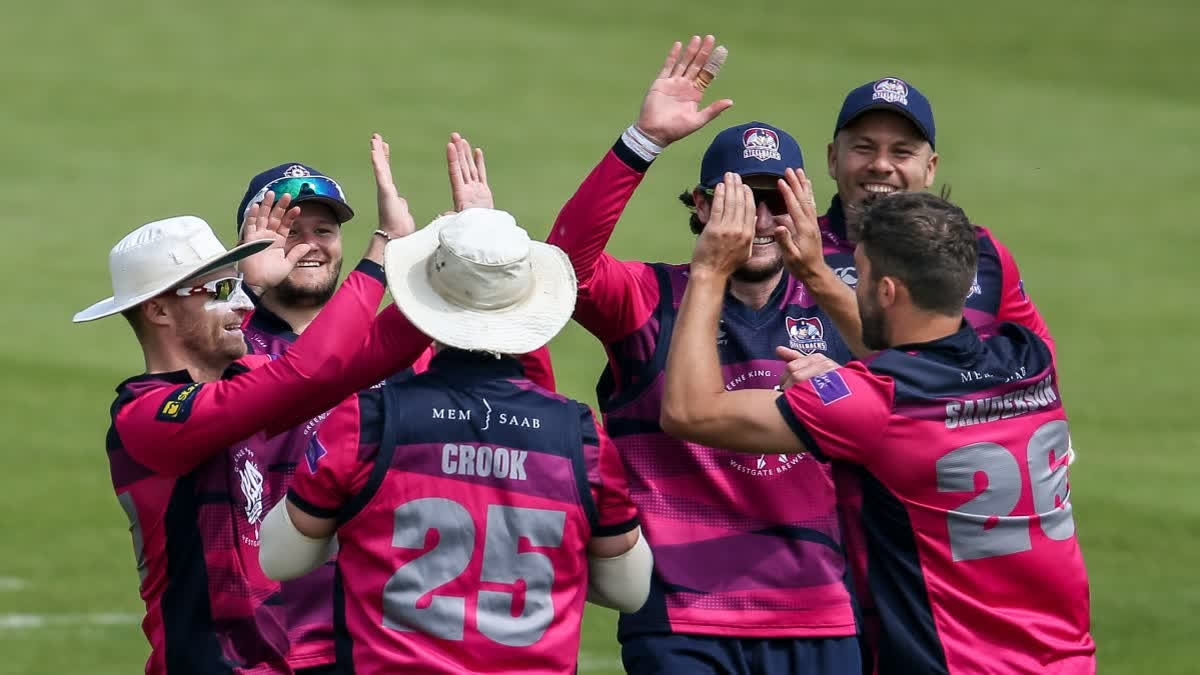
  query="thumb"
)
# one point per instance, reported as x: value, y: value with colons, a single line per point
x: 787, y: 354
x: 715, y: 108
x: 298, y: 251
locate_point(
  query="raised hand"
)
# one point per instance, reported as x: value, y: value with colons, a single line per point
x: 272, y: 221
x: 727, y: 239
x: 394, y: 217
x: 468, y: 175
x: 671, y: 109
x: 800, y: 239
x: 801, y: 367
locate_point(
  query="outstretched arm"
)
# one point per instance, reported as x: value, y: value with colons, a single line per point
x: 616, y: 297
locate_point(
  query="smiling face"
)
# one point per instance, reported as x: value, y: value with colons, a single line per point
x: 880, y: 152
x: 208, y: 328
x: 314, y: 280
x: 766, y: 257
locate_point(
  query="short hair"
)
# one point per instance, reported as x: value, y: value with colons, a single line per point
x: 134, y: 316
x: 689, y: 200
x: 926, y: 242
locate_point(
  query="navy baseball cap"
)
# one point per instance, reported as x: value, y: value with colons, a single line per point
x: 751, y: 149
x: 303, y: 183
x: 889, y: 93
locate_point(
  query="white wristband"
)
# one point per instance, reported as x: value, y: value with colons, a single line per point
x: 640, y: 143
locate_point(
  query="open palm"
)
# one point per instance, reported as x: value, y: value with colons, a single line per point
x: 671, y: 109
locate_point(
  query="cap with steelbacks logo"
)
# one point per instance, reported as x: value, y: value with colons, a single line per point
x: 889, y: 93
x: 751, y: 149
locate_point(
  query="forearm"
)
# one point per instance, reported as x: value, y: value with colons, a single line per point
x: 838, y: 301
x: 693, y: 379
x: 586, y: 222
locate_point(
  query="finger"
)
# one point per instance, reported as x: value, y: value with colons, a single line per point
x: 669, y: 64
x: 279, y: 209
x: 711, y: 68
x: 688, y: 54
x: 468, y: 160
x: 808, y: 203
x: 789, y: 189
x: 264, y: 206
x: 715, y: 108
x: 749, y: 211
x: 480, y: 165
x: 787, y: 353
x: 298, y: 251
x: 452, y: 167
x: 783, y: 236
x: 718, y: 203
x: 380, y: 153
x: 287, y: 221
x: 701, y: 59
x: 250, y: 224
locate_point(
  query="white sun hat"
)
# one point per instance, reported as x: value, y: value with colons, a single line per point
x: 474, y: 280
x: 160, y: 255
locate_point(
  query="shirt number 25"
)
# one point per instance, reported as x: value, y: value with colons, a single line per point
x: 445, y: 616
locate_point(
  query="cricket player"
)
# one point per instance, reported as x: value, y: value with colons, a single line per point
x: 189, y: 436
x: 962, y: 437
x: 884, y: 142
x: 283, y: 312
x: 474, y: 510
x: 749, y: 558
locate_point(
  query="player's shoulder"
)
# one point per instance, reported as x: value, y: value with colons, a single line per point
x: 1017, y: 348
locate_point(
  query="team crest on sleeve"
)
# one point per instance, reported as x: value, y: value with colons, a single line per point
x: 830, y: 387
x: 761, y: 144
x: 806, y: 335
x: 892, y: 90
x: 313, y: 454
x: 976, y: 289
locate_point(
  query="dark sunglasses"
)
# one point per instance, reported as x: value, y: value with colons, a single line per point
x: 771, y: 197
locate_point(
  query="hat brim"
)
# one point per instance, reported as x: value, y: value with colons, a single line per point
x: 341, y: 210
x: 110, y: 306
x: 890, y: 107
x: 517, y: 329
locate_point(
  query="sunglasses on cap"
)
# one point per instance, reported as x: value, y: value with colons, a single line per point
x: 770, y: 197
x: 297, y: 187
x: 221, y: 289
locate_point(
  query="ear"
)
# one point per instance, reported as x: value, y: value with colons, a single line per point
x: 931, y: 169
x: 831, y: 159
x: 887, y: 291
x: 703, y: 206
x: 156, y: 312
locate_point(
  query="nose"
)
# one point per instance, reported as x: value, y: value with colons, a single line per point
x: 880, y: 164
x: 764, y: 219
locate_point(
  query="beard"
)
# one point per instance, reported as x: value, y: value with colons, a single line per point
x: 874, y: 327
x: 753, y: 274
x: 210, y: 344
x: 289, y: 294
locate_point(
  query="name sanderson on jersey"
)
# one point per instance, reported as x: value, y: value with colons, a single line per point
x: 1031, y: 399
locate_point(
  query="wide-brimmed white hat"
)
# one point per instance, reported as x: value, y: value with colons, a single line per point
x: 474, y: 280
x: 159, y: 255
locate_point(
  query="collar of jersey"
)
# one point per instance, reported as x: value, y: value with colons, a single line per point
x: 268, y: 321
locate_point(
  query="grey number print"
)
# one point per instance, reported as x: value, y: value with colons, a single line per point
x: 503, y: 563
x: 445, y: 615
x: 984, y: 526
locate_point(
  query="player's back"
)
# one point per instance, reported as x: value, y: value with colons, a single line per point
x: 465, y: 551
x: 975, y: 564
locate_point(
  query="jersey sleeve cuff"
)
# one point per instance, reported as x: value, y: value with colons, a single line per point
x: 310, y: 508
x: 372, y: 269
x: 639, y: 162
x: 798, y: 428
x: 615, y: 529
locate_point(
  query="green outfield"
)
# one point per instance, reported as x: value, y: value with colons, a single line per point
x: 1069, y: 128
